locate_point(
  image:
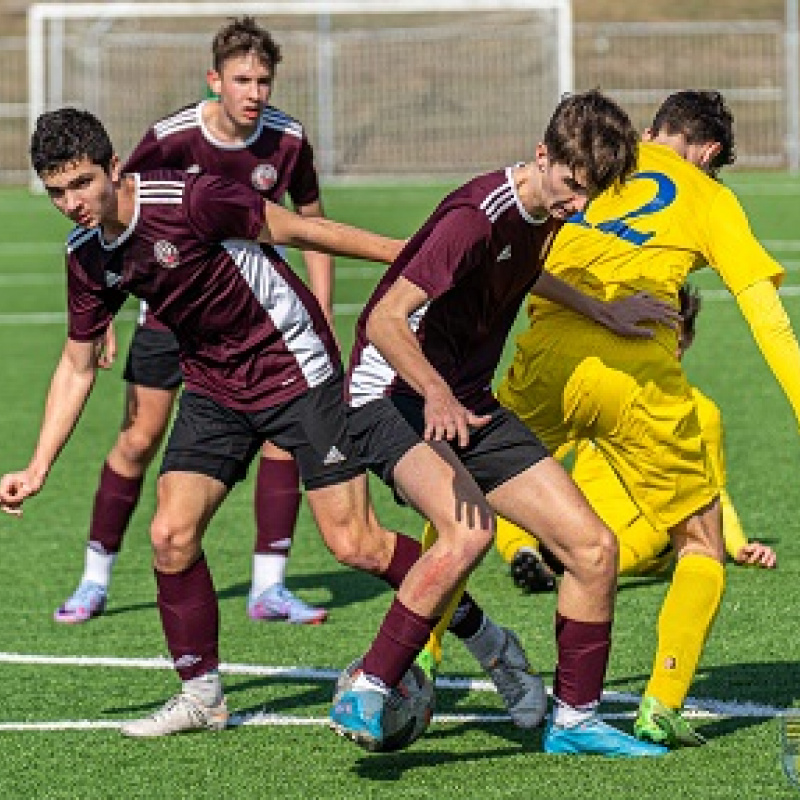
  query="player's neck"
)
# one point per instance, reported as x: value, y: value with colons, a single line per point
x: 121, y: 210
x: 222, y: 127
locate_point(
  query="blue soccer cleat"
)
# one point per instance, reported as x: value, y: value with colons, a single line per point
x: 595, y: 737
x: 357, y: 714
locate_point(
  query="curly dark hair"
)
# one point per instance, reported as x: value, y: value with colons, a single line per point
x: 701, y: 116
x: 68, y: 135
x: 690, y: 301
x: 242, y: 36
x: 590, y: 132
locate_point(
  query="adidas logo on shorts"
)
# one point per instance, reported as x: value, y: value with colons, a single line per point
x: 335, y: 456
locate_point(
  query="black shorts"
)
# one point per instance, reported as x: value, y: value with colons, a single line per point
x: 153, y: 360
x: 385, y: 430
x: 217, y: 441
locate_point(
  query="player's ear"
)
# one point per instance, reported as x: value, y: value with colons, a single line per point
x: 648, y: 135
x: 115, y: 168
x: 541, y: 157
x: 708, y: 153
x: 214, y: 81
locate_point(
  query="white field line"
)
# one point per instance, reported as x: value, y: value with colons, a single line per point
x: 695, y: 708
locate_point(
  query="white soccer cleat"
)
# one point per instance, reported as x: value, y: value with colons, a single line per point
x: 180, y: 714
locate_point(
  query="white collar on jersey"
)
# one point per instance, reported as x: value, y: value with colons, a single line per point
x: 209, y: 137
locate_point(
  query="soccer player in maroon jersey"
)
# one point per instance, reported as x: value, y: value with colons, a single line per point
x: 424, y: 418
x: 241, y: 136
x: 259, y: 362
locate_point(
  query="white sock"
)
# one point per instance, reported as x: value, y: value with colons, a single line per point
x: 487, y: 643
x: 98, y: 564
x: 206, y: 688
x: 565, y: 716
x: 364, y: 681
x: 268, y: 569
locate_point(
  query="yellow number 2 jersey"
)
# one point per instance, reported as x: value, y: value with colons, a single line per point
x: 572, y: 379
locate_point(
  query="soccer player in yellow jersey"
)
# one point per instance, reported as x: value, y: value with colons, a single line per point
x: 571, y: 379
x: 643, y: 549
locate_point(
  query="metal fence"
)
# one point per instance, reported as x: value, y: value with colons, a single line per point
x: 638, y: 63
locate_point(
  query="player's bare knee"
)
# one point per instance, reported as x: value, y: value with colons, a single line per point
x: 361, y: 544
x: 175, y: 546
x: 137, y: 446
x: 596, y: 560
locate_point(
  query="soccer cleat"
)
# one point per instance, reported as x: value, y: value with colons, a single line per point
x: 595, y: 737
x: 180, y: 714
x: 357, y: 714
x: 659, y: 724
x: 277, y: 603
x: 86, y: 602
x: 522, y: 689
x: 530, y: 573
x: 427, y: 663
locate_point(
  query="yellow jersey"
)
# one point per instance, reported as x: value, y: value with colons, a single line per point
x: 668, y: 220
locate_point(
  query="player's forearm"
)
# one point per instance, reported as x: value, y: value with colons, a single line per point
x: 69, y: 389
x: 732, y: 531
x: 557, y: 291
x: 284, y: 227
x: 390, y: 334
x: 320, y: 269
x: 773, y: 333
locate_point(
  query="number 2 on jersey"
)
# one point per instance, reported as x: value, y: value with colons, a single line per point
x: 665, y: 192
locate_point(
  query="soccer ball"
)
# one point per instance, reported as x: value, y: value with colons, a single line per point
x: 408, y: 709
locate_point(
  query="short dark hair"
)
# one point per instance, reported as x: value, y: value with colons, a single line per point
x: 590, y: 132
x: 66, y: 136
x: 242, y: 36
x: 701, y: 116
x: 690, y: 302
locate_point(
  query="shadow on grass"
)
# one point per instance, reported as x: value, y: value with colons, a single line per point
x: 347, y: 587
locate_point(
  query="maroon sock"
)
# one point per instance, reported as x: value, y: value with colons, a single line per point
x: 401, y: 637
x: 406, y: 552
x: 114, y: 504
x: 277, y: 501
x: 469, y: 615
x: 582, y: 659
x: 190, y: 618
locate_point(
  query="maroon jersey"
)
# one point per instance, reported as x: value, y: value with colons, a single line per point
x: 277, y: 159
x: 476, y: 258
x: 251, y: 334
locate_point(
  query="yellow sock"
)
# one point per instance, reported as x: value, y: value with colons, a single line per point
x: 685, y: 620
x: 510, y: 537
x: 432, y: 653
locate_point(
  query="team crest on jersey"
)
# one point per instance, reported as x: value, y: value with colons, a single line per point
x: 264, y: 177
x: 166, y: 254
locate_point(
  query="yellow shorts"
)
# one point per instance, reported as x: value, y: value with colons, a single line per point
x: 631, y: 397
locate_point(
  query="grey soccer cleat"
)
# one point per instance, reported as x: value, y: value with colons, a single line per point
x: 521, y: 688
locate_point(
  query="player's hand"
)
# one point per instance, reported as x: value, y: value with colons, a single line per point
x: 107, y: 349
x: 757, y: 554
x: 15, y: 487
x: 446, y: 419
x: 628, y: 316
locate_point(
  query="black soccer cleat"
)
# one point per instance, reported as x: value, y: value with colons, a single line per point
x: 530, y: 573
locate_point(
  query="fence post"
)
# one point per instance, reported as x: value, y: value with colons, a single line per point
x: 792, y: 86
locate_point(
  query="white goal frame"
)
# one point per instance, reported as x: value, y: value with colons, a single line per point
x: 44, y: 44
